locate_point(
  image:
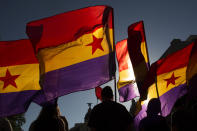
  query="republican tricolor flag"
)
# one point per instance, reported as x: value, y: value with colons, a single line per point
x: 138, y: 53
x: 133, y: 62
x: 127, y: 86
x: 75, y: 50
x: 170, y: 81
x: 19, y: 76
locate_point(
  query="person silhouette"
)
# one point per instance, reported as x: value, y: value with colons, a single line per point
x: 50, y: 119
x: 109, y: 115
x: 5, y: 124
x: 183, y: 117
x: 154, y: 121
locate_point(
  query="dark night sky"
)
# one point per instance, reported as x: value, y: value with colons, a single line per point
x: 164, y: 20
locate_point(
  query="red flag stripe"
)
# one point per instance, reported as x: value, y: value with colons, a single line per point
x: 122, y: 55
x: 59, y: 29
x: 16, y: 53
x: 138, y: 26
x: 174, y: 61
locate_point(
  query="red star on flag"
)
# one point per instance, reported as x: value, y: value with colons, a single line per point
x: 9, y: 79
x: 171, y: 79
x: 96, y: 44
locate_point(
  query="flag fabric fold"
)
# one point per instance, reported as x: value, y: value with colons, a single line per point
x: 138, y: 52
x: 170, y: 81
x: 127, y: 86
x: 75, y: 50
x: 19, y: 76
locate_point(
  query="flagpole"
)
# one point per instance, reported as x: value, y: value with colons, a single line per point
x: 156, y: 87
x: 115, y: 92
x: 157, y: 90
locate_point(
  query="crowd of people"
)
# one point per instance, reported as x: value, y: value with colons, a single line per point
x: 112, y: 116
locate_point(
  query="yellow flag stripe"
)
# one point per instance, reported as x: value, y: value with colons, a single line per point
x: 162, y: 84
x: 28, y: 79
x: 126, y: 77
x: 74, y: 52
x: 144, y: 52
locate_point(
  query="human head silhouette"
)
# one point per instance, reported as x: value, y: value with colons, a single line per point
x: 154, y: 107
x: 107, y: 93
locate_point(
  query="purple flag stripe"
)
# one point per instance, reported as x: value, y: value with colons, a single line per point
x: 167, y: 102
x: 41, y: 100
x: 81, y: 76
x: 15, y: 102
x: 169, y: 98
x: 128, y: 92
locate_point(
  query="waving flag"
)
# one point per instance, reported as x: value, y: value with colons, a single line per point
x: 19, y: 76
x: 127, y: 87
x: 75, y: 50
x: 170, y: 81
x: 138, y: 52
x: 98, y: 91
